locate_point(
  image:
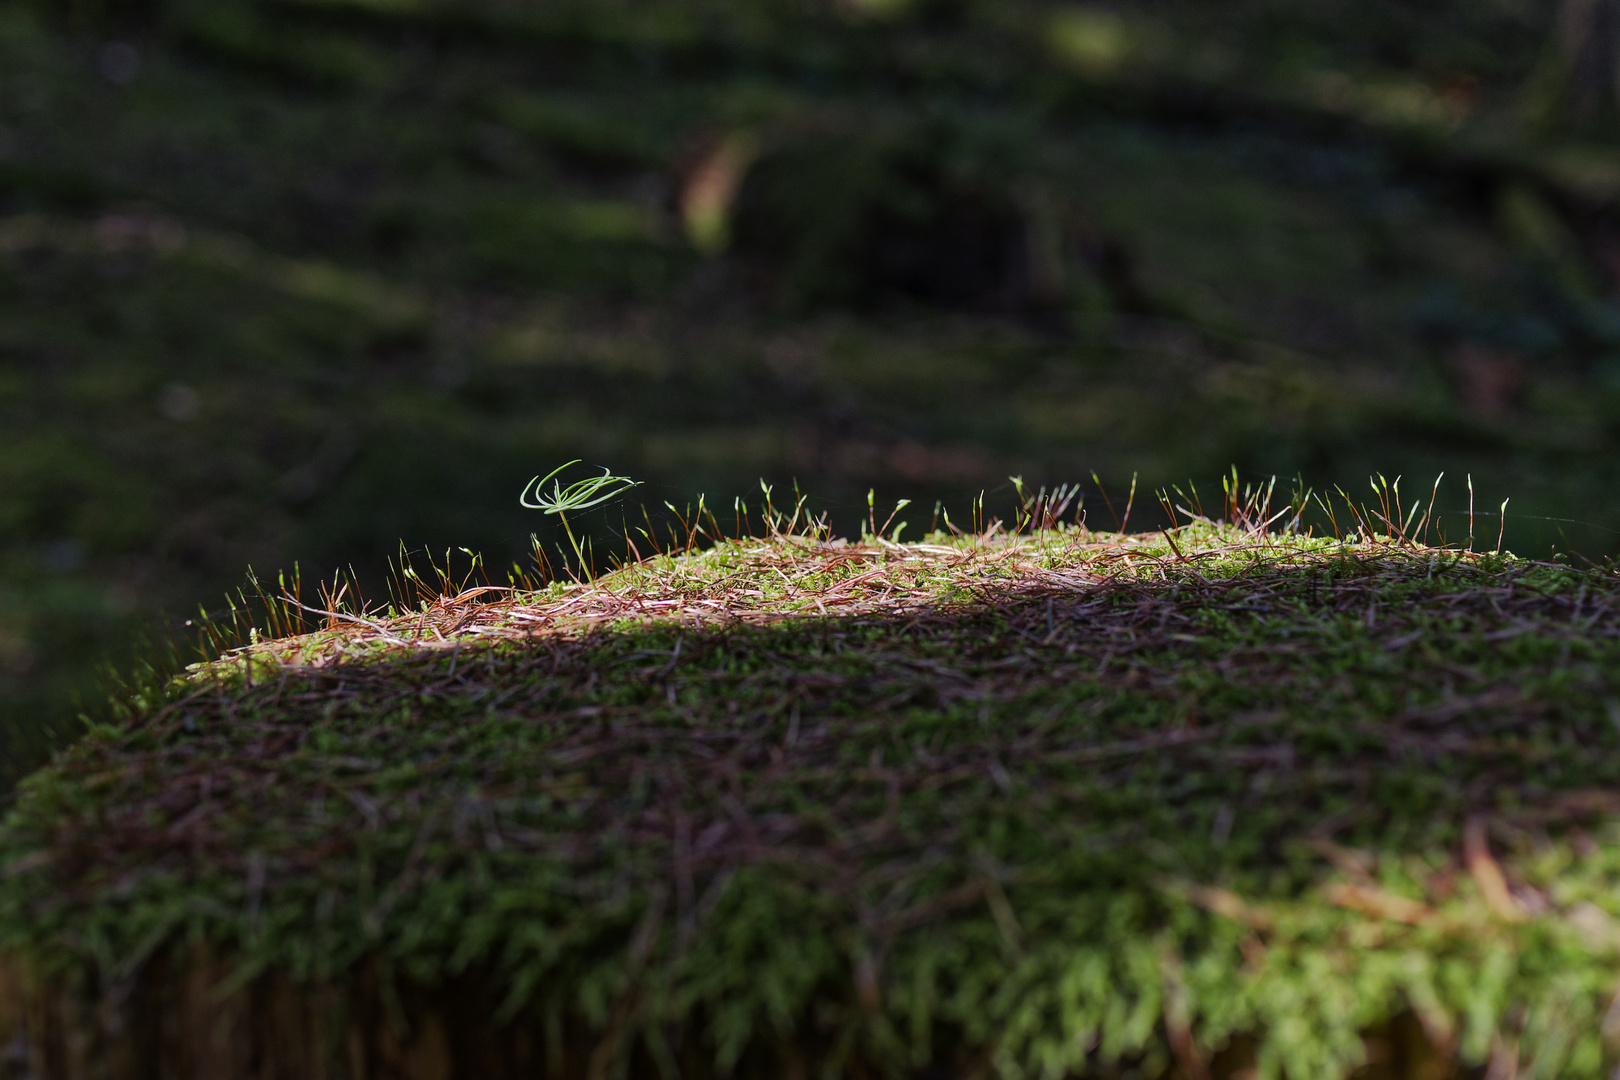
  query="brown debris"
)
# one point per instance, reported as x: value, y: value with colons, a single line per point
x: 1487, y: 872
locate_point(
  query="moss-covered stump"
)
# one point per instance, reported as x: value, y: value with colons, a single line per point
x: 1211, y: 804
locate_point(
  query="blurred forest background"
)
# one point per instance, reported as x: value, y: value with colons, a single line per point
x: 300, y: 280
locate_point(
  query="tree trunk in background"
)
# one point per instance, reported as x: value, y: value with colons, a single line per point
x: 1588, y: 62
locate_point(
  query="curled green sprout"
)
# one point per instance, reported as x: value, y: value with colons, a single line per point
x: 580, y: 495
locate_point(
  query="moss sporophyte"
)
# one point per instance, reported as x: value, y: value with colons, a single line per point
x: 1060, y: 803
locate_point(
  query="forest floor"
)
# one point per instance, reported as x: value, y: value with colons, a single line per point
x: 1054, y: 803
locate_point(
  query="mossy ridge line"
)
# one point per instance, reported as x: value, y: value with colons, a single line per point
x: 1077, y: 799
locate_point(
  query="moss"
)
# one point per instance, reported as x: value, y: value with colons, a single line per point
x: 1070, y: 800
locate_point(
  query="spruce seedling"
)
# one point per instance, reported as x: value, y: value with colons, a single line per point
x: 580, y: 495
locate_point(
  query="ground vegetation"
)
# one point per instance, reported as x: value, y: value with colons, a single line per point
x: 1032, y: 801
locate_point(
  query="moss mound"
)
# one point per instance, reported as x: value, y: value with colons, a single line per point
x: 1065, y: 804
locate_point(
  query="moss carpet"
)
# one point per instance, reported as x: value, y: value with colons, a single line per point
x: 1205, y: 803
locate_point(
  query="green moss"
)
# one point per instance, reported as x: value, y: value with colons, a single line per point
x: 1059, y: 796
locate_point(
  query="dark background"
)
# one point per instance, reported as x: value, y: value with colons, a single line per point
x: 302, y: 280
